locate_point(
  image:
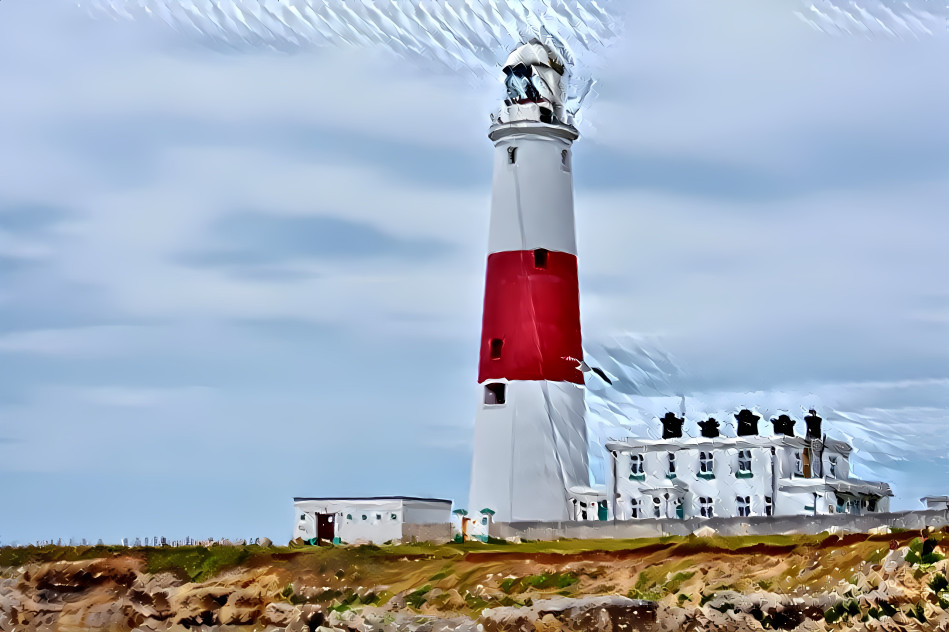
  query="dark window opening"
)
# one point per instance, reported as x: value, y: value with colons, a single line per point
x: 512, y: 155
x: 565, y: 159
x: 496, y: 344
x: 494, y: 393
x: 540, y: 258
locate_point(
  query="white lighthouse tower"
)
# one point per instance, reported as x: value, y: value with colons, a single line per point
x: 530, y: 433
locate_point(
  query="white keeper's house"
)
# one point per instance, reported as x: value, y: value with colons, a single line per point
x: 746, y: 475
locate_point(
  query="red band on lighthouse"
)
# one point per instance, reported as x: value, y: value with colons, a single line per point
x: 531, y: 325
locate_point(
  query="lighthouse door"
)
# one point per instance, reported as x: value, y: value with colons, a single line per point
x: 325, y: 526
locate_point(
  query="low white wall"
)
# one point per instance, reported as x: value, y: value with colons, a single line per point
x: 650, y: 528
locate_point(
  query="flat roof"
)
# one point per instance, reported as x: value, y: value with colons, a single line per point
x: 428, y: 500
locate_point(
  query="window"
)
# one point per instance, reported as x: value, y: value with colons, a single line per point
x: 872, y: 504
x: 634, y: 508
x: 744, y: 463
x: 302, y: 517
x: 744, y: 506
x: 706, y: 465
x: 378, y: 516
x: 705, y: 507
x: 494, y: 394
x: 832, y: 467
x: 671, y: 471
x: 365, y: 517
x: 540, y: 258
x: 768, y: 506
x: 349, y: 516
x: 496, y: 345
x: 565, y: 160
x: 512, y: 155
x: 393, y: 517
x: 636, y: 471
x: 656, y: 507
x: 798, y: 464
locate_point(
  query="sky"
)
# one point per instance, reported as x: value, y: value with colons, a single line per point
x: 229, y: 277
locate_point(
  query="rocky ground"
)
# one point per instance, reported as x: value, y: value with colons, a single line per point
x: 893, y: 581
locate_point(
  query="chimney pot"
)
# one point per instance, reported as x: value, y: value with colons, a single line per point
x: 709, y: 428
x: 671, y: 426
x: 813, y: 425
x: 783, y: 425
x: 747, y: 423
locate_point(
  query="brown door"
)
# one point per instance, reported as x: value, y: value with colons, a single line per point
x: 325, y: 527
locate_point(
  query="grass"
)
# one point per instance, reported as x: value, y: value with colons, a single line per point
x: 472, y: 576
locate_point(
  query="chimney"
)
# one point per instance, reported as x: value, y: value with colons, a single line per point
x: 813, y: 424
x: 709, y: 428
x: 747, y: 423
x: 783, y: 425
x: 671, y: 426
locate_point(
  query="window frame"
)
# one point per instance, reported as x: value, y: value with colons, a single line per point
x: 706, y: 465
x: 635, y: 510
x: 706, y: 507
x: 743, y: 504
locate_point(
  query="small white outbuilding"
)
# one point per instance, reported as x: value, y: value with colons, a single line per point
x: 375, y: 520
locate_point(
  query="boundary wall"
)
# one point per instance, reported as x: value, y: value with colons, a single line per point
x: 758, y: 525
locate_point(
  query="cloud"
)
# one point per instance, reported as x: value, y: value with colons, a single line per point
x: 252, y: 240
x: 764, y: 201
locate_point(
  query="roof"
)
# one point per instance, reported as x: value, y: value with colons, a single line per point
x: 297, y: 499
x: 748, y: 441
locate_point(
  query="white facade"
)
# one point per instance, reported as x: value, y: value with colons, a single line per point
x: 374, y: 520
x: 737, y: 477
x: 529, y: 451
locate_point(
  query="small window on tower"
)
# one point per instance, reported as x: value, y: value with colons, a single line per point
x: 540, y: 258
x: 494, y: 394
x: 496, y: 345
x: 512, y: 155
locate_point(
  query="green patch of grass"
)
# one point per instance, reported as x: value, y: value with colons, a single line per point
x: 675, y: 582
x: 195, y: 563
x: 835, y: 613
x: 543, y: 581
x: 918, y: 613
x: 440, y: 575
x: 645, y: 588
x: 477, y: 604
x: 417, y: 597
x: 938, y: 583
x: 547, y: 581
x: 921, y: 554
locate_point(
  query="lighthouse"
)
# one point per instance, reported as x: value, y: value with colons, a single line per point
x: 530, y: 443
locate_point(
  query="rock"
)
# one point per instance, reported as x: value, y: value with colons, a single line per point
x: 607, y: 613
x: 279, y: 614
x: 705, y: 532
x: 265, y: 542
